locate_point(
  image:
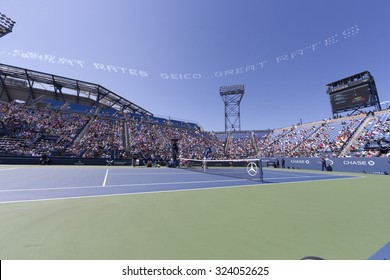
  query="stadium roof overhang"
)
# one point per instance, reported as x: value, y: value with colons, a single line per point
x: 95, y: 92
x: 6, y: 25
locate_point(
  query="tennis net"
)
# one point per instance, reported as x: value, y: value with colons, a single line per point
x: 250, y: 169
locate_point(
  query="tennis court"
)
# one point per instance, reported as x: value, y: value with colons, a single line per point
x: 29, y: 183
x: 83, y: 212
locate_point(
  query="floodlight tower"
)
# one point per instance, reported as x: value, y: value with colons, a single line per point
x: 6, y: 25
x: 232, y: 96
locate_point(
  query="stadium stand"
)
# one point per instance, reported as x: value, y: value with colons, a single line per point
x: 68, y: 125
x: 32, y: 131
x: 374, y: 138
x: 329, y: 139
x: 240, y: 144
x: 74, y: 107
x: 103, y: 139
x: 109, y: 112
x: 36, y: 130
x: 52, y: 103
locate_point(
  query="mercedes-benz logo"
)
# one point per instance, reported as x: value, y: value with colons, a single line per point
x: 252, y: 169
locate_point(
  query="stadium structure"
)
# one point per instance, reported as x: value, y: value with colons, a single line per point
x: 276, y: 212
x: 6, y: 25
x: 93, y: 123
x: 232, y: 96
x: 76, y: 212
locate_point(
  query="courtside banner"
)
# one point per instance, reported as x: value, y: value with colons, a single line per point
x: 199, y: 269
x: 374, y: 165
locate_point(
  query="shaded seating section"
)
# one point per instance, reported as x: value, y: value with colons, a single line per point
x: 52, y: 103
x: 79, y: 108
x: 110, y: 112
x: 172, y: 122
x: 222, y: 136
x: 192, y: 125
x: 158, y: 120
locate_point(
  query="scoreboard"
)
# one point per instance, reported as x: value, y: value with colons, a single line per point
x: 351, y: 98
x: 353, y: 93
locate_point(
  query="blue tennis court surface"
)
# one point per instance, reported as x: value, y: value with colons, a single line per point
x: 30, y: 183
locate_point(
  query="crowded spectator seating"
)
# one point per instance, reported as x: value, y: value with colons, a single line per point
x: 325, y: 138
x: 284, y: 142
x: 172, y: 122
x: 37, y: 130
x: 374, y: 138
x: 153, y: 141
x: 104, y: 138
x: 90, y: 132
x: 240, y: 144
x: 330, y: 138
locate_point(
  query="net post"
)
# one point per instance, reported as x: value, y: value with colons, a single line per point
x: 261, y: 174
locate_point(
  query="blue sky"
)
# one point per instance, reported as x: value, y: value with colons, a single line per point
x: 170, y: 57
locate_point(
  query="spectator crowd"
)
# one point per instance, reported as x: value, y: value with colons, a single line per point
x: 32, y: 131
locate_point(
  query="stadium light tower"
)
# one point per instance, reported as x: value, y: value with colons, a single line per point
x: 232, y: 96
x: 6, y: 25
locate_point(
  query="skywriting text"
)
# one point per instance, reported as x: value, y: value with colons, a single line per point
x: 141, y: 73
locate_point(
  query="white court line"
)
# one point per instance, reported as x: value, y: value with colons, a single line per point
x: 168, y: 191
x: 105, y: 178
x: 125, y: 185
x: 292, y: 173
x: 7, y: 169
x: 163, y: 183
x: 136, y: 174
x: 292, y: 176
x: 296, y: 177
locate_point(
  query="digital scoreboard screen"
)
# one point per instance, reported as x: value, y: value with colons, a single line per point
x: 351, y: 98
